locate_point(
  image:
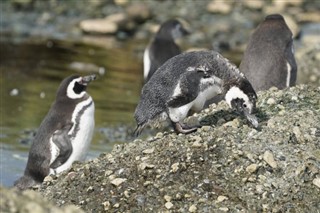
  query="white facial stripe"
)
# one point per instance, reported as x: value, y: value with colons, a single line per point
x: 234, y: 93
x: 288, y: 74
x: 146, y: 63
x: 70, y: 92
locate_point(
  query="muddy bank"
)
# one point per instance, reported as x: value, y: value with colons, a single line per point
x: 225, y: 166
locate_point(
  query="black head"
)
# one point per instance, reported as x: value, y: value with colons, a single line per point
x: 242, y: 98
x: 174, y: 29
x: 74, y: 87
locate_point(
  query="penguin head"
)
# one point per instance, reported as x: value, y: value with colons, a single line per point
x: 242, y: 98
x: 174, y: 28
x: 74, y: 87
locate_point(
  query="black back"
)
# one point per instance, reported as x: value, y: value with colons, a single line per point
x: 269, y: 49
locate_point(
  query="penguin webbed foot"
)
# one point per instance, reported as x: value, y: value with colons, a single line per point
x: 183, y: 128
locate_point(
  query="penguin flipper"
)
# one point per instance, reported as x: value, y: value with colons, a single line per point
x: 178, y: 101
x: 62, y: 140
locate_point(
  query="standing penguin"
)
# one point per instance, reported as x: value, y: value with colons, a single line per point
x: 65, y: 133
x: 269, y: 58
x: 163, y: 46
x: 185, y: 82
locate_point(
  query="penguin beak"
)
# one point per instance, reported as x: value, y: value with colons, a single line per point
x: 251, y: 118
x: 87, y: 79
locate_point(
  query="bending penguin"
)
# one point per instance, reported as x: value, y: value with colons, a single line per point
x: 185, y: 82
x: 269, y: 57
x: 65, y: 133
x: 163, y: 46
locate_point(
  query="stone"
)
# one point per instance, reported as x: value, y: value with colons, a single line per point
x: 144, y: 166
x: 221, y: 198
x: 252, y: 168
x: 271, y: 101
x: 268, y: 157
x: 316, y: 182
x: 118, y: 181
x: 148, y: 151
x: 167, y: 198
x: 217, y: 6
x: 193, y: 208
x: 224, y: 209
x: 175, y: 167
x: 168, y: 205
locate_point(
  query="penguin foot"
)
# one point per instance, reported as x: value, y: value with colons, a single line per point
x: 183, y: 128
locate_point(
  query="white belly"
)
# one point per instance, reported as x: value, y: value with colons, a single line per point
x: 180, y: 113
x: 82, y: 140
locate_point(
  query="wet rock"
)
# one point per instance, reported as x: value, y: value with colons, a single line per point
x: 108, y: 25
x: 168, y: 205
x: 217, y: 6
x: 193, y: 208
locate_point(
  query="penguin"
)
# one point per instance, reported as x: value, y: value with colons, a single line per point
x: 163, y: 46
x: 269, y: 57
x: 64, y: 134
x: 184, y: 84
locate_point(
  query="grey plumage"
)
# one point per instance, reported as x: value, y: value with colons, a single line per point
x: 269, y: 59
x: 187, y: 70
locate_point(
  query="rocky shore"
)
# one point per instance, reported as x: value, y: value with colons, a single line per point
x: 226, y: 166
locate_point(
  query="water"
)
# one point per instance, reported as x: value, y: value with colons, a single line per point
x: 30, y: 75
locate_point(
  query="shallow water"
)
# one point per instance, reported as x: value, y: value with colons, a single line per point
x: 30, y: 75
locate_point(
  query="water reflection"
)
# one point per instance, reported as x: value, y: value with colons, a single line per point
x: 30, y: 75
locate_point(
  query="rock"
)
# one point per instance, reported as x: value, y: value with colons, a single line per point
x: 316, y: 182
x: 221, y: 198
x: 108, y: 25
x: 308, y: 17
x: 193, y: 208
x: 252, y: 168
x: 224, y: 209
x: 271, y: 101
x: 148, y: 151
x: 118, y: 181
x: 168, y: 205
x: 139, y: 12
x: 29, y: 201
x: 217, y: 6
x: 256, y: 5
x: 167, y: 198
x: 268, y: 157
x: 144, y: 166
x: 175, y: 167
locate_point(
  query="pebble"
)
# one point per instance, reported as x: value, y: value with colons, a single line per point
x: 148, y: 151
x: 271, y: 101
x: 217, y: 6
x: 168, y: 205
x: 175, y: 167
x: 118, y: 181
x: 167, y: 198
x: 144, y: 166
x: 193, y: 208
x: 14, y: 92
x: 224, y: 209
x: 252, y: 168
x: 221, y: 198
x: 268, y: 157
x: 316, y: 182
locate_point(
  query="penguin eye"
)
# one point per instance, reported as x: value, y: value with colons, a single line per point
x: 244, y: 105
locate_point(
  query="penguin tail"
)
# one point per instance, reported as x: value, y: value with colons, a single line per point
x: 25, y: 182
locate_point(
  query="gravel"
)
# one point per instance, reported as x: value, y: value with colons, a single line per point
x: 225, y: 166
